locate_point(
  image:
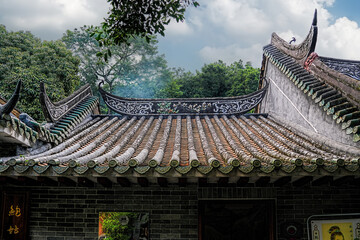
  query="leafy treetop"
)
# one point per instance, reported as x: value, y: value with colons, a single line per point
x: 213, y: 80
x: 23, y: 56
x: 143, y: 18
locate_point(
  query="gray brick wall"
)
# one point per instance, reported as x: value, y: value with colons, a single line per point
x: 73, y: 213
x: 64, y: 213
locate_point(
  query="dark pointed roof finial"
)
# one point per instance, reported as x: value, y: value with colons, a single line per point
x: 314, y: 23
x: 293, y: 39
x: 10, y: 105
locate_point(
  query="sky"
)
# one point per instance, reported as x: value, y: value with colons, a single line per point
x: 227, y: 30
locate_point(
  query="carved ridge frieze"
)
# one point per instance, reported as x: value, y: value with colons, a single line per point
x: 206, y: 106
x: 239, y: 106
x: 133, y: 108
x: 349, y: 68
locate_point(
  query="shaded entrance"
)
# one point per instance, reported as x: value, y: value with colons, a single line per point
x: 237, y: 219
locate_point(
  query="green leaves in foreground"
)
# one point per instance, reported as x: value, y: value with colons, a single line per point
x: 140, y: 18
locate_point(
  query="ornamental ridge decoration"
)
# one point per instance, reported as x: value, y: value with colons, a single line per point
x: 54, y: 111
x: 347, y: 67
x: 191, y: 106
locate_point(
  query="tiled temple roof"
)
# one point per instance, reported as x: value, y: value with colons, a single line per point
x: 65, y: 125
x: 326, y: 96
x: 195, y: 146
x: 12, y: 130
x: 194, y: 139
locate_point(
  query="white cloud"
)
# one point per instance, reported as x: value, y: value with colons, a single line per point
x: 50, y: 19
x: 232, y: 53
x: 178, y: 28
x: 340, y: 40
x: 218, y: 29
x: 234, y: 29
x: 237, y: 17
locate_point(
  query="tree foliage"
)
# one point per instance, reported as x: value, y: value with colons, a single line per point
x: 114, y: 229
x: 132, y: 70
x: 214, y: 80
x: 124, y: 225
x: 23, y: 56
x: 139, y: 18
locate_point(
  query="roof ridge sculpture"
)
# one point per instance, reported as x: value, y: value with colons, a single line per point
x: 11, y: 103
x: 54, y: 111
x: 181, y: 106
x: 299, y: 52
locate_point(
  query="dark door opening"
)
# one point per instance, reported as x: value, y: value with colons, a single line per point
x: 237, y: 219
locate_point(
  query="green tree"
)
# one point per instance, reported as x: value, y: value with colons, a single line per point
x: 243, y: 80
x: 114, y: 229
x: 124, y: 225
x: 213, y: 80
x: 23, y: 56
x: 172, y: 85
x: 140, y: 18
x: 132, y: 70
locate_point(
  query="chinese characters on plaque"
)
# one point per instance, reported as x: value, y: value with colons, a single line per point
x: 14, y: 217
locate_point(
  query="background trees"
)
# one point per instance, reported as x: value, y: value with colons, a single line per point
x: 23, y: 56
x: 214, y: 80
x: 131, y: 70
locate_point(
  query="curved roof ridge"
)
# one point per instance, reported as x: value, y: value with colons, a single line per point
x: 9, y: 106
x: 301, y: 51
x: 55, y: 111
x: 340, y: 75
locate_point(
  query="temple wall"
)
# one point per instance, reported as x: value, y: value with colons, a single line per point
x: 281, y: 99
x: 60, y: 213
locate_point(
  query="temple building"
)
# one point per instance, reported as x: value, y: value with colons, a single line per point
x: 192, y: 168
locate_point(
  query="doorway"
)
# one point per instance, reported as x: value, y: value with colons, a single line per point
x: 237, y: 219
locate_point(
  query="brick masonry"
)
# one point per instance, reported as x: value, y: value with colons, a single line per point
x: 64, y: 213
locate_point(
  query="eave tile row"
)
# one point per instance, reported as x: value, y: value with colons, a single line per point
x: 162, y: 144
